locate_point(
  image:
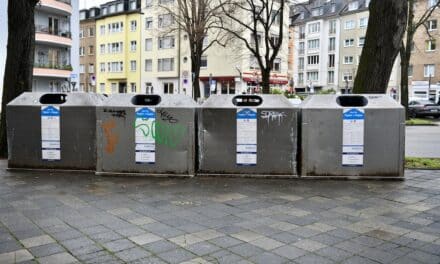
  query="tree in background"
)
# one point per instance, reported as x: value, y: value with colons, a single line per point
x: 19, y: 59
x: 259, y: 26
x: 386, y: 28
x: 407, y: 43
x: 198, y: 19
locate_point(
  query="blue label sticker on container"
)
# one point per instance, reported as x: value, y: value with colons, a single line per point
x: 145, y: 129
x: 246, y: 137
x: 353, y: 137
x: 50, y: 133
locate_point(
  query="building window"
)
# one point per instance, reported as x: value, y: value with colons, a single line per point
x: 148, y: 44
x: 148, y: 65
x: 81, y: 33
x: 91, y: 68
x: 102, y: 67
x: 332, y: 44
x: 148, y: 3
x: 363, y: 22
x: 313, y: 76
x: 313, y: 44
x: 331, y: 60
x: 168, y: 88
x: 149, y: 88
x: 253, y: 63
x: 331, y: 77
x: 353, y: 6
x: 102, y: 87
x: 313, y: 60
x: 165, y: 20
x: 300, y: 78
x: 349, y: 42
x: 133, y: 65
x: 432, y: 3
x: 276, y: 65
x: 432, y: 25
x: 148, y: 23
x: 102, y: 48
x: 301, y: 48
x: 347, y: 77
x: 332, y: 28
x: 91, y: 50
x: 410, y: 70
x: 114, y: 88
x: 91, y: 32
x: 133, y: 45
x: 348, y: 59
x: 165, y: 64
x: 102, y: 30
x: 349, y: 24
x: 81, y: 68
x: 116, y: 66
x: 116, y: 47
x: 361, y: 41
x: 429, y: 70
x: 133, y: 5
x: 133, y: 25
x: 301, y: 63
x: 302, y: 32
x: 314, y: 27
x: 204, y: 62
x: 430, y: 45
x: 133, y: 87
x: 116, y: 27
x: 166, y: 42
x: 318, y: 11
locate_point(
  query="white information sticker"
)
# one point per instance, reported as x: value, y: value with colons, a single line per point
x: 246, y: 137
x: 353, y: 137
x: 50, y: 133
x: 144, y: 135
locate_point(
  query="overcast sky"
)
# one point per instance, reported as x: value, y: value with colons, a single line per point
x: 90, y: 3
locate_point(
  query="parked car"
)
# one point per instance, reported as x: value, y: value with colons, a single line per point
x: 422, y: 108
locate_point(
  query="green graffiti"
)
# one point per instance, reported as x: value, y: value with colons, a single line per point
x: 168, y: 134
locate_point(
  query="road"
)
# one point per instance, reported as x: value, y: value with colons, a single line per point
x: 423, y: 141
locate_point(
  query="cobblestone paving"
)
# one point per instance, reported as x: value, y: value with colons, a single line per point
x: 81, y: 218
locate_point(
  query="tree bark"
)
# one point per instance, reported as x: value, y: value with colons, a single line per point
x: 386, y: 28
x: 265, y: 80
x: 404, y: 66
x: 20, y: 58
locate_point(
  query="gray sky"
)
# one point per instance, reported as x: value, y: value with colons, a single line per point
x: 90, y: 3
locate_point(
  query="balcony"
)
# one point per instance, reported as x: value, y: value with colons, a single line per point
x: 44, y: 34
x: 62, y: 7
x: 52, y: 69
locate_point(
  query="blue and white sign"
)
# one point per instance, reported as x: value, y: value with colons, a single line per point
x: 145, y: 145
x: 50, y: 133
x: 353, y: 137
x: 246, y: 137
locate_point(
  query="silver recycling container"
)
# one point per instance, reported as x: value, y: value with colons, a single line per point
x: 352, y: 136
x: 141, y: 134
x: 52, y: 131
x: 248, y: 135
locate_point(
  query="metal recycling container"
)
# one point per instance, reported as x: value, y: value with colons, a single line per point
x: 248, y: 135
x: 352, y: 135
x: 141, y: 134
x: 52, y: 131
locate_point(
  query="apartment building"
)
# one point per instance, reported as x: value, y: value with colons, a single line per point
x: 118, y: 47
x: 225, y: 70
x: 424, y: 72
x: 316, y: 48
x: 56, y: 59
x: 87, y: 49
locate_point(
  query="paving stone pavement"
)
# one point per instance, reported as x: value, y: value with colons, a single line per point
x: 82, y: 218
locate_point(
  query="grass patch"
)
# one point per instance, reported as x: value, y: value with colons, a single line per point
x: 420, y: 122
x: 422, y: 163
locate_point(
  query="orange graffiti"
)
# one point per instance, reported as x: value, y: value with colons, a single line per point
x: 111, y: 138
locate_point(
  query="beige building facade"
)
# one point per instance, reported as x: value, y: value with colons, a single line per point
x: 87, y: 59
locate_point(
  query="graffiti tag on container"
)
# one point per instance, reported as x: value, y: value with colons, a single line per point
x: 115, y: 113
x: 271, y: 116
x: 170, y: 135
x: 165, y: 116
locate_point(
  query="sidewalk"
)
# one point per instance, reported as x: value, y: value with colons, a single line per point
x: 81, y: 218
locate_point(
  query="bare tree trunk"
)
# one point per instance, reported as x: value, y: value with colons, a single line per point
x: 386, y: 27
x: 20, y: 58
x: 404, y: 66
x: 195, y: 69
x: 265, y: 80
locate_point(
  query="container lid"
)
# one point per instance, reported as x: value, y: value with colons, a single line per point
x: 332, y: 101
x: 149, y: 100
x: 61, y: 99
x: 238, y: 101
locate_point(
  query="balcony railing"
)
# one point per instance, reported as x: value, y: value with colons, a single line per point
x: 69, y: 2
x: 53, y: 65
x: 47, y: 30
